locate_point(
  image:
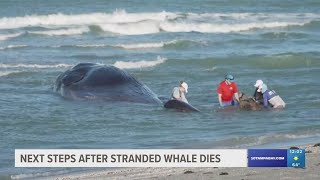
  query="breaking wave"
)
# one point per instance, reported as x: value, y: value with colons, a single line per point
x: 35, y: 66
x: 142, y: 45
x: 63, y: 32
x: 6, y: 73
x: 4, y: 37
x: 139, y: 64
x: 121, y: 22
x: 119, y: 64
x: 54, y: 20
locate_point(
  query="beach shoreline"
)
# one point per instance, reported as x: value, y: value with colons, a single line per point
x: 311, y: 171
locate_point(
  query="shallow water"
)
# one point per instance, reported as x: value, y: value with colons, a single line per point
x: 160, y: 43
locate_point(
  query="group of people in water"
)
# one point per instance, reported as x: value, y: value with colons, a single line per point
x: 228, y: 94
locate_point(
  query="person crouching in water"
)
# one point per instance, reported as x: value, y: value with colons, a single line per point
x: 272, y: 97
x: 178, y: 93
x: 258, y: 96
x: 227, y: 91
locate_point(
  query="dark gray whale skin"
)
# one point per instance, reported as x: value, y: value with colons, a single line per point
x: 94, y: 81
x: 180, y: 106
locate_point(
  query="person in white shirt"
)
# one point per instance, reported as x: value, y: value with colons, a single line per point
x: 178, y: 93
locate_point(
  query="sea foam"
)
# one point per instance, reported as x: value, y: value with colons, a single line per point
x: 139, y: 64
x: 141, y: 45
x: 35, y: 66
x: 6, y: 73
x: 136, y: 28
x: 78, y: 19
x: 119, y: 64
x: 123, y: 23
x: 61, y: 32
x: 13, y: 47
x: 4, y: 37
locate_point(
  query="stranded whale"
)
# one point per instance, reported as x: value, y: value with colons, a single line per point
x: 248, y: 103
x: 109, y: 83
x: 180, y: 106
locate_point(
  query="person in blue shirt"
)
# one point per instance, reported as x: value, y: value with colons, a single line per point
x: 270, y: 96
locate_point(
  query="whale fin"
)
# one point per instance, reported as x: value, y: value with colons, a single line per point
x: 180, y: 105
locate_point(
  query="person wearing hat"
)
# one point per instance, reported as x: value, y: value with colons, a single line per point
x: 258, y: 96
x: 269, y: 96
x: 228, y: 91
x: 178, y: 93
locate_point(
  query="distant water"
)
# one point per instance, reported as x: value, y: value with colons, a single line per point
x: 160, y: 43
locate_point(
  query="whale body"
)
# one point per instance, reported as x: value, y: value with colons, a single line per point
x: 95, y: 81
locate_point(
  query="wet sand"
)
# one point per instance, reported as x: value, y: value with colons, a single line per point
x: 312, y: 171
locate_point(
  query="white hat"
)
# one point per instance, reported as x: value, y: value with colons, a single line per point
x: 262, y: 88
x: 258, y: 83
x: 185, y: 86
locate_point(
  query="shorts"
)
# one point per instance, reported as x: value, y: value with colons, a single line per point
x: 228, y: 103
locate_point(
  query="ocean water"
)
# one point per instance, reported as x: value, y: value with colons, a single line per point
x: 160, y: 43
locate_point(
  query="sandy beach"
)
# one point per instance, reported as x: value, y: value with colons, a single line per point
x: 310, y: 172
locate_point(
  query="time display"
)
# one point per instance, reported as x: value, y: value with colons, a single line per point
x: 297, y: 151
x: 296, y: 158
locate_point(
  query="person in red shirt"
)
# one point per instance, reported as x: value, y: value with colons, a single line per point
x: 228, y: 91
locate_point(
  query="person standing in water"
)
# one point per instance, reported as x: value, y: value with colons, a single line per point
x: 178, y: 93
x: 228, y: 91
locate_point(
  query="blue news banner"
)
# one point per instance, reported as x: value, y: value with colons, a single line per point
x: 276, y: 158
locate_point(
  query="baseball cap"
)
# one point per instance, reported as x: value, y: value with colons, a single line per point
x: 258, y: 83
x: 229, y: 77
x: 185, y: 86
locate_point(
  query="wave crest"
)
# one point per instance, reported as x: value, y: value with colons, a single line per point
x: 6, y: 73
x: 141, y: 45
x: 137, y: 28
x: 221, y: 28
x: 169, y: 44
x: 121, y: 22
x: 54, y: 20
x: 13, y: 47
x: 139, y: 64
x: 63, y: 32
x: 36, y: 66
x: 4, y: 37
